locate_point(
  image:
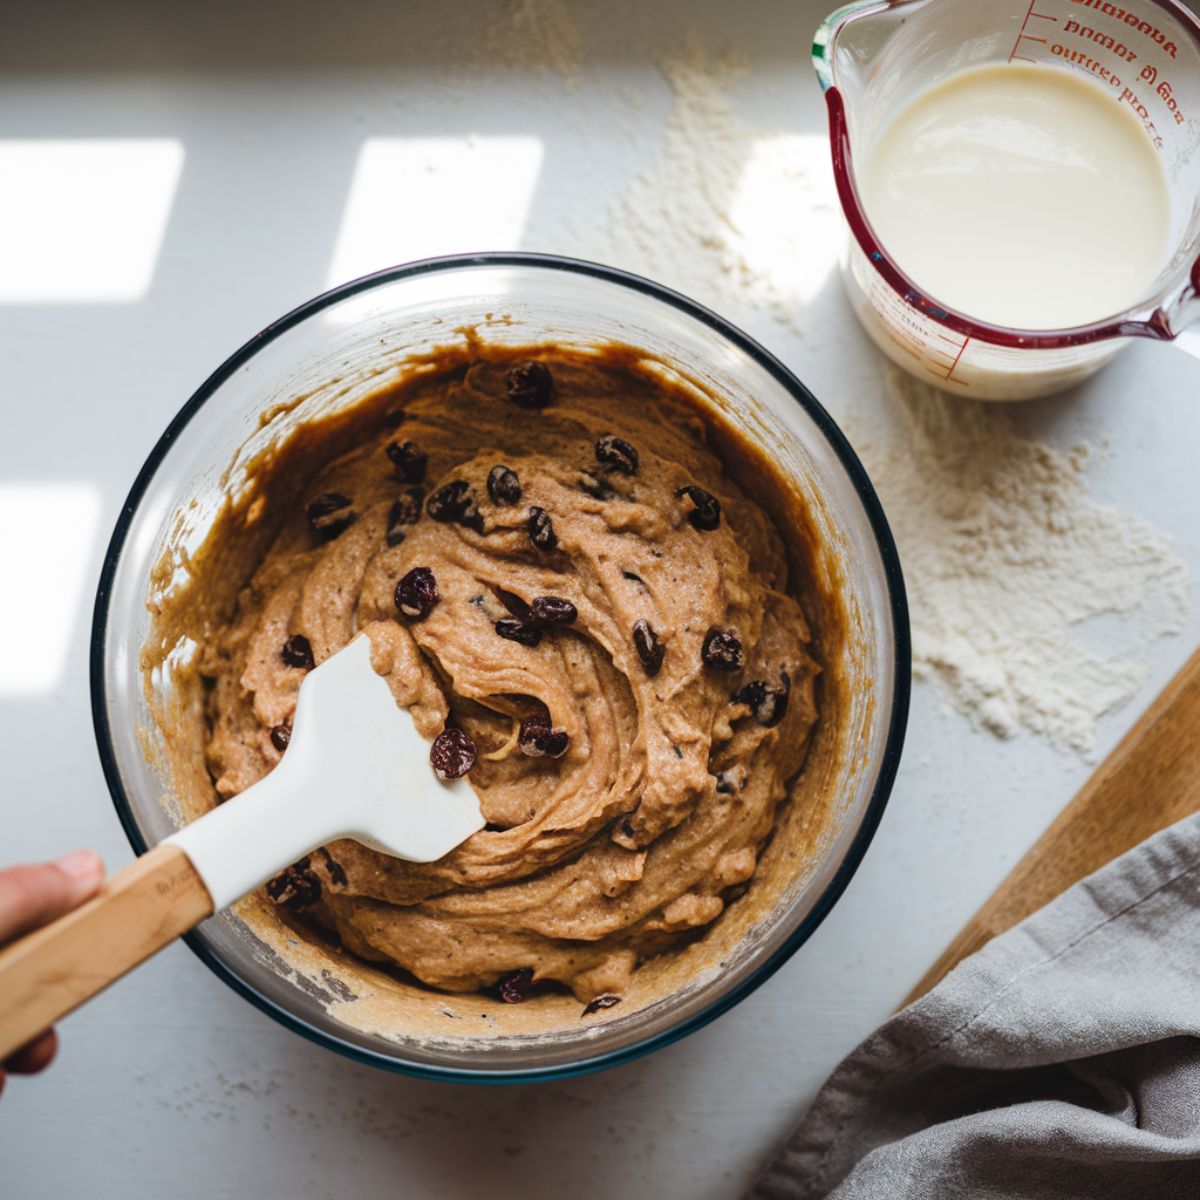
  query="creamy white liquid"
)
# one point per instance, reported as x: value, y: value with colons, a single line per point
x: 1021, y: 195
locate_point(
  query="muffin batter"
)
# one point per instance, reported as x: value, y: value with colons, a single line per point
x: 549, y: 557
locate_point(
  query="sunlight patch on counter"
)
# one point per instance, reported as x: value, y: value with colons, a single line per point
x: 82, y: 220
x: 788, y: 227
x: 47, y: 538
x: 414, y: 198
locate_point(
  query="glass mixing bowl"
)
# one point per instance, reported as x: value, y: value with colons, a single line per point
x: 346, y: 344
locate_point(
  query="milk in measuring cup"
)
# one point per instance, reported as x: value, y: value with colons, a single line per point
x: 1022, y: 195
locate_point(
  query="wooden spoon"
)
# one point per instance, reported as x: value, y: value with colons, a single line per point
x: 1150, y: 781
x: 355, y: 767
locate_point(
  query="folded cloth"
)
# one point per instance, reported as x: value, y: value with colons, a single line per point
x: 1061, y: 1060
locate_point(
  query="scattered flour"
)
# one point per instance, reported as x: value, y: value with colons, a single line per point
x: 716, y: 217
x: 1006, y: 557
x: 536, y: 35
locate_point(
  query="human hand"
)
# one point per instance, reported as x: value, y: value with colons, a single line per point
x: 32, y: 896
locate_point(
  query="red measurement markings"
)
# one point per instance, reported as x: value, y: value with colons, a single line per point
x: 941, y: 364
x: 1022, y: 36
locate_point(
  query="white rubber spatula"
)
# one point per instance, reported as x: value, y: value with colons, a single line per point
x: 355, y: 767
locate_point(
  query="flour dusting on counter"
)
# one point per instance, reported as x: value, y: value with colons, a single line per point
x: 730, y: 214
x: 536, y: 35
x: 1006, y: 557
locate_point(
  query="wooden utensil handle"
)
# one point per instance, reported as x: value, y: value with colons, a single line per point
x: 1150, y: 781
x: 50, y: 972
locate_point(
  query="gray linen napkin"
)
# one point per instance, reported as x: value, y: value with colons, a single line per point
x: 1062, y: 1060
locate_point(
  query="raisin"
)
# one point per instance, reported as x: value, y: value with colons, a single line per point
x: 723, y: 650
x: 516, y: 987
x: 518, y: 631
x: 731, y: 780
x: 410, y: 461
x: 297, y: 652
x: 538, y: 739
x: 548, y: 611
x: 296, y: 887
x: 751, y: 694
x: 337, y: 873
x: 605, y: 1000
x: 616, y: 454
x: 530, y: 385
x: 454, y: 503
x: 649, y: 649
x: 706, y: 513
x: 503, y: 485
x: 767, y: 702
x: 598, y: 489
x: 554, y: 744
x: 513, y: 603
x: 627, y: 829
x: 404, y: 511
x: 417, y: 593
x: 280, y: 736
x: 541, y: 529
x: 452, y: 754
x: 330, y: 514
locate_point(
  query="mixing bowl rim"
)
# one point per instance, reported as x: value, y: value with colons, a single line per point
x: 893, y: 579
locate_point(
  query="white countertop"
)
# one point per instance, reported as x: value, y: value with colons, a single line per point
x: 252, y: 120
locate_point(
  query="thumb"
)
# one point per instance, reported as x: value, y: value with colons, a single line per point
x: 30, y: 896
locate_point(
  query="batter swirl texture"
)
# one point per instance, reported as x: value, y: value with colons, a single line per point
x: 612, y: 630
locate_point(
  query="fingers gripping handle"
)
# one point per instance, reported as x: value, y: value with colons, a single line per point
x: 53, y: 970
x: 200, y: 870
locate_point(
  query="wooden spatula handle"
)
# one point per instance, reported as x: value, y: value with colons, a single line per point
x: 50, y: 972
x: 1150, y: 781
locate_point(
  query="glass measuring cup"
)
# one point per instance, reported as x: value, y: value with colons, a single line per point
x: 871, y: 57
